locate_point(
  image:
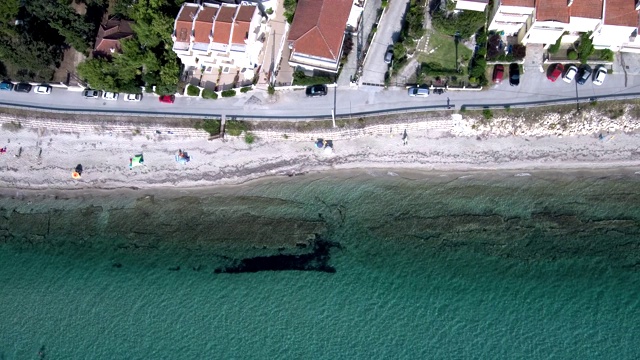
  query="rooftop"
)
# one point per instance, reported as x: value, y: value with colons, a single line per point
x: 523, y: 3
x: 621, y: 13
x: 242, y: 24
x: 204, y: 24
x: 222, y: 27
x: 552, y: 10
x: 318, y: 27
x: 590, y: 9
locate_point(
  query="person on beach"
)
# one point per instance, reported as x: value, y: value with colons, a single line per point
x: 3, y: 150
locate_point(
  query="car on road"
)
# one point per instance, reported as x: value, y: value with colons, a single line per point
x: 316, y: 90
x: 6, y: 86
x: 132, y: 97
x: 167, y: 99
x: 584, y: 72
x: 388, y: 56
x: 91, y: 94
x: 555, y: 72
x: 22, y: 87
x: 111, y: 96
x: 417, y: 91
x: 498, y: 74
x: 514, y: 74
x: 43, y: 89
x: 599, y: 75
x: 570, y: 74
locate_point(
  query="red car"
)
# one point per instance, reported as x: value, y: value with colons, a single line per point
x: 168, y: 99
x: 556, y: 72
x: 498, y: 73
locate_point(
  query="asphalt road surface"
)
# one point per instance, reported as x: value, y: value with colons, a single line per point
x: 294, y: 105
x: 387, y: 34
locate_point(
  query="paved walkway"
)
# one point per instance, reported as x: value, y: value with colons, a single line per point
x: 273, y: 59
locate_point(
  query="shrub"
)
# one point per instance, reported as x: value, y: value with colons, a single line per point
x: 493, y: 47
x: 606, y: 55
x: 299, y: 78
x: 269, y: 11
x: 518, y: 51
x: 249, y: 138
x: 487, y: 114
x: 235, y: 127
x: 245, y: 89
x: 193, y: 90
x: 209, y: 94
x: 271, y: 90
x: 572, y: 54
x: 210, y: 126
x: 228, y: 93
x: 555, y: 47
x: 289, y: 9
x: 585, y: 47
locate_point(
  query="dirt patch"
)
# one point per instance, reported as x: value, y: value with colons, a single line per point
x: 66, y: 72
x: 79, y: 7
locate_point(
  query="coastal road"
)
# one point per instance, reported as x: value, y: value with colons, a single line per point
x: 294, y: 105
x: 387, y: 33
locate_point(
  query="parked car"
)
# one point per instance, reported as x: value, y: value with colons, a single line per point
x: 43, y: 89
x: 555, y: 72
x: 6, y: 86
x: 498, y: 73
x: 91, y: 94
x: 132, y: 97
x: 111, y: 96
x: 388, y: 56
x: 599, y: 75
x: 167, y: 99
x: 584, y: 72
x: 417, y: 91
x: 514, y: 74
x: 570, y: 74
x: 316, y: 90
x: 22, y: 87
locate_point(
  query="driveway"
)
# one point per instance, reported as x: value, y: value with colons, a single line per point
x: 387, y: 34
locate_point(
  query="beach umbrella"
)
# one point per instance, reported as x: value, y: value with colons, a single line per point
x: 135, y: 161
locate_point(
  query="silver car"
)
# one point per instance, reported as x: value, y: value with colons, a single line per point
x: 416, y: 91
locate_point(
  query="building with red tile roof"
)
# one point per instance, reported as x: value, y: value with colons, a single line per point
x: 110, y: 34
x: 619, y: 28
x: 226, y: 36
x: 317, y: 33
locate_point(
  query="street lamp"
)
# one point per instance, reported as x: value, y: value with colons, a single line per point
x: 456, y: 40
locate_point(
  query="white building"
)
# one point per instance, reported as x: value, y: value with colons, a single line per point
x: 227, y: 37
x: 473, y: 5
x: 619, y: 27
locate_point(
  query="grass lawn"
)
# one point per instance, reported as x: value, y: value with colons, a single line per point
x: 444, y: 51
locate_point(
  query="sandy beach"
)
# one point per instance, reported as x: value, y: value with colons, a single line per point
x: 42, y: 155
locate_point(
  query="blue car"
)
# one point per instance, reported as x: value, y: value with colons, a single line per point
x: 6, y: 86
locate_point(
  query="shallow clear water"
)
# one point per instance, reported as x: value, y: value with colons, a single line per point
x: 426, y: 266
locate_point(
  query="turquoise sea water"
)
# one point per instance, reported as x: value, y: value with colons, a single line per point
x: 444, y: 266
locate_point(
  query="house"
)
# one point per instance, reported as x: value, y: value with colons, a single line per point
x: 551, y: 18
x: 474, y: 5
x: 221, y: 37
x: 619, y: 27
x: 512, y: 16
x: 110, y: 34
x: 317, y: 33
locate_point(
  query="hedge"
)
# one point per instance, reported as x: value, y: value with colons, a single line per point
x: 193, y: 91
x: 209, y: 94
x: 228, y: 93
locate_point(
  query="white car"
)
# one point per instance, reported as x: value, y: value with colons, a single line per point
x: 598, y: 77
x: 110, y: 96
x: 570, y: 74
x: 43, y: 89
x: 132, y: 97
